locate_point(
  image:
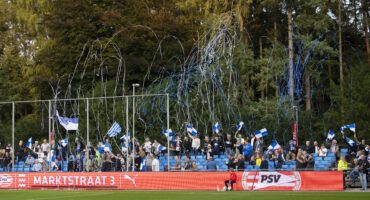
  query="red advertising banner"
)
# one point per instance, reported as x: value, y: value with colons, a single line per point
x: 295, y: 133
x: 279, y: 180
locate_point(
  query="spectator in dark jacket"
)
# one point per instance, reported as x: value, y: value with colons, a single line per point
x: 363, y: 165
x: 186, y: 146
x: 107, y: 164
x: 264, y: 163
x: 309, y: 148
x: 217, y: 145
x: 20, y: 151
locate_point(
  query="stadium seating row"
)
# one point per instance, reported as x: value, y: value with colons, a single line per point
x: 320, y: 163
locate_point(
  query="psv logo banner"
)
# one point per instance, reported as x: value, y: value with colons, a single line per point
x: 6, y: 180
x: 271, y: 181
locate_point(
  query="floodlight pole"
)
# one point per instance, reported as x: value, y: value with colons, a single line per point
x: 13, y: 127
x: 168, y: 127
x: 133, y: 124
x: 127, y: 130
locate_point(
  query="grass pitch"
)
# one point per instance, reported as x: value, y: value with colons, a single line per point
x: 176, y: 195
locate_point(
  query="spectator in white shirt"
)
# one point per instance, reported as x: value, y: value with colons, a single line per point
x: 195, y: 144
x: 147, y: 145
x: 334, y: 148
x: 323, y: 151
x: 45, y: 147
x: 155, y: 164
x: 40, y: 154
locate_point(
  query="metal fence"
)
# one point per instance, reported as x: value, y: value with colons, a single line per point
x: 96, y: 115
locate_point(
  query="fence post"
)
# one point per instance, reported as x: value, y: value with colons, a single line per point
x: 13, y: 127
x: 168, y: 127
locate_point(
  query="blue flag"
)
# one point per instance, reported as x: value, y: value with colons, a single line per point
x: 169, y: 134
x: 350, y: 142
x: 160, y: 148
x: 64, y: 142
x: 351, y: 127
x: 191, y: 130
x: 106, y: 147
x: 331, y: 135
x: 29, y: 143
x: 239, y: 126
x: 114, y: 130
x: 142, y: 164
x: 274, y: 145
x: 261, y: 133
x: 126, y: 138
x: 216, y: 128
x: 70, y: 124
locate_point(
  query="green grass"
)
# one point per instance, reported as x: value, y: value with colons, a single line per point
x: 176, y: 195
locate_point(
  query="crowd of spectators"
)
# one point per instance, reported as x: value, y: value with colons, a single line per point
x: 239, y: 151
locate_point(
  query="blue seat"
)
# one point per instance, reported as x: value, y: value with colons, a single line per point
x: 330, y: 154
x: 327, y: 158
x: 344, y: 150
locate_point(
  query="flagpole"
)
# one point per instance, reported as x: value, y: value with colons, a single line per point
x: 133, y: 128
x: 168, y: 127
x: 133, y: 124
x: 127, y: 129
x: 87, y: 131
x: 49, y: 121
x: 13, y: 128
x: 68, y: 148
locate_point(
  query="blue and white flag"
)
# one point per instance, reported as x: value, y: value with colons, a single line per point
x: 107, y: 147
x: 350, y: 142
x: 114, y: 130
x: 70, y: 124
x: 160, y: 148
x: 191, y: 130
x: 331, y: 135
x: 126, y: 138
x: 274, y: 145
x: 142, y: 164
x: 261, y: 133
x: 216, y: 128
x: 169, y: 134
x: 29, y: 143
x: 239, y: 126
x: 351, y: 127
x: 64, y: 142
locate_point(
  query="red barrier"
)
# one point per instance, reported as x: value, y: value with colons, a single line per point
x: 302, y: 181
